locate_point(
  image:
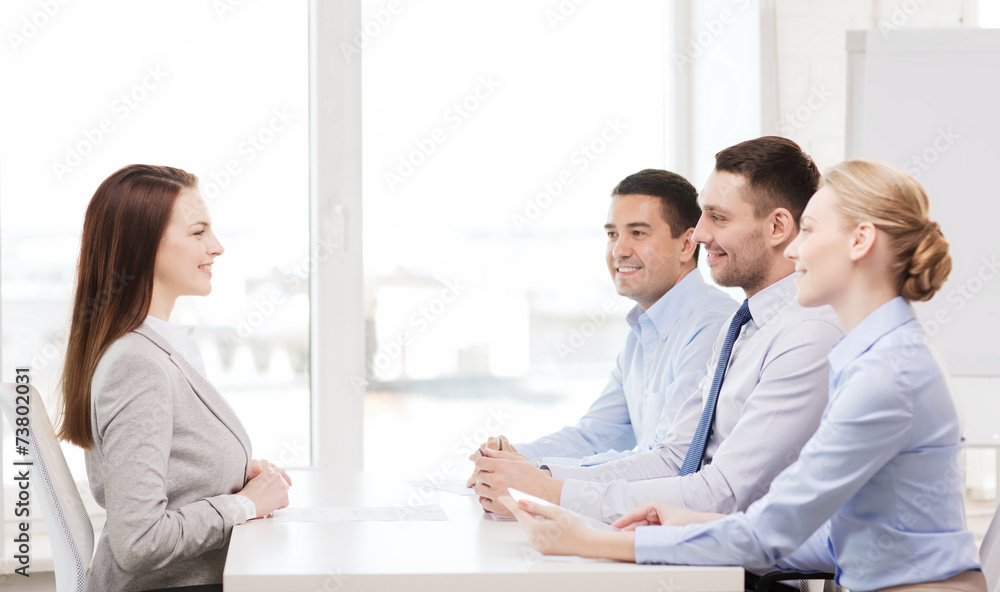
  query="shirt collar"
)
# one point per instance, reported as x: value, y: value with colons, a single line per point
x: 880, y: 322
x: 666, y: 311
x: 766, y: 304
x: 167, y: 329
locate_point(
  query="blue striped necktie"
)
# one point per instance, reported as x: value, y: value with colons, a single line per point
x: 692, y: 461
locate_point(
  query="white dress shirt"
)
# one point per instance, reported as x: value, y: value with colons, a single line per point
x: 770, y: 403
x: 661, y: 365
x: 181, y: 338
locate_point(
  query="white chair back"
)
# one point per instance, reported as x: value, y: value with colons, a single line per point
x: 66, y: 519
x: 989, y: 553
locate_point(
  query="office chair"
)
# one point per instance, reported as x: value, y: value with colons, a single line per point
x: 771, y: 581
x: 55, y: 492
x: 989, y: 557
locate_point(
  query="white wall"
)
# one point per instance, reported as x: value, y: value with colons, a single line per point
x: 812, y: 62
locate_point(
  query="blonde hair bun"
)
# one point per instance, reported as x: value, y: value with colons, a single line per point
x: 896, y: 204
x: 929, y: 266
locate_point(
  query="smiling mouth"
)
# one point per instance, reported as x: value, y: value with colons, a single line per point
x: 713, y: 257
x: 626, y: 269
x: 207, y: 267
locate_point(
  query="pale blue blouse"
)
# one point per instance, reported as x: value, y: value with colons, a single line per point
x: 875, y: 495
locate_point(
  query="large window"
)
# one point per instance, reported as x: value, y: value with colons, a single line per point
x: 492, y: 137
x: 217, y: 88
x: 989, y: 14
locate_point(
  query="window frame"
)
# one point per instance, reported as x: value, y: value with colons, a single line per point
x: 337, y: 332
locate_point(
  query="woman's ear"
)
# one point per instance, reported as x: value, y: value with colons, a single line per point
x: 862, y: 240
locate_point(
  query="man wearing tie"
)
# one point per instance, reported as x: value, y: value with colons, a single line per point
x: 767, y: 379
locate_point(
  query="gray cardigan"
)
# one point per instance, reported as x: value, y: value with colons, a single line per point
x: 167, y: 448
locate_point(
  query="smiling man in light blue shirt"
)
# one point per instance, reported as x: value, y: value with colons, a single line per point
x: 673, y: 326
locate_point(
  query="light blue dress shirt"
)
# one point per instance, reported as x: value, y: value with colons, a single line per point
x: 663, y: 361
x: 876, y: 494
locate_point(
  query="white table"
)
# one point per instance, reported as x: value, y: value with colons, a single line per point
x: 467, y: 553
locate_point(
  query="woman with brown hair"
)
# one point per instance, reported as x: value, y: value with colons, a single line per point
x: 876, y: 493
x: 166, y: 455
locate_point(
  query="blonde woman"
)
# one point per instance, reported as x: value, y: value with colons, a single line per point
x: 876, y: 494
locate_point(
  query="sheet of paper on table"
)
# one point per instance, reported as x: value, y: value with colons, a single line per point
x: 361, y: 514
x: 456, y: 486
x: 519, y: 495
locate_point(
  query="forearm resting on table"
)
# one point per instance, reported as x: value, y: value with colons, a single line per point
x: 550, y: 489
x: 545, y: 486
x: 619, y: 546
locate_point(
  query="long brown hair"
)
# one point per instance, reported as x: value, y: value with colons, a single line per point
x: 121, y: 233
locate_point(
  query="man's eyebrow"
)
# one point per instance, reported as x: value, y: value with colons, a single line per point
x: 610, y: 226
x: 713, y: 208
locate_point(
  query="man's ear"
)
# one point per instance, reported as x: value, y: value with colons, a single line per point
x: 689, y: 246
x: 863, y: 239
x: 781, y: 227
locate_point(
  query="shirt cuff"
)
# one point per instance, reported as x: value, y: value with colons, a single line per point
x: 568, y: 472
x: 656, y: 544
x: 557, y: 460
x: 584, y: 497
x: 605, y: 457
x: 249, y: 508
